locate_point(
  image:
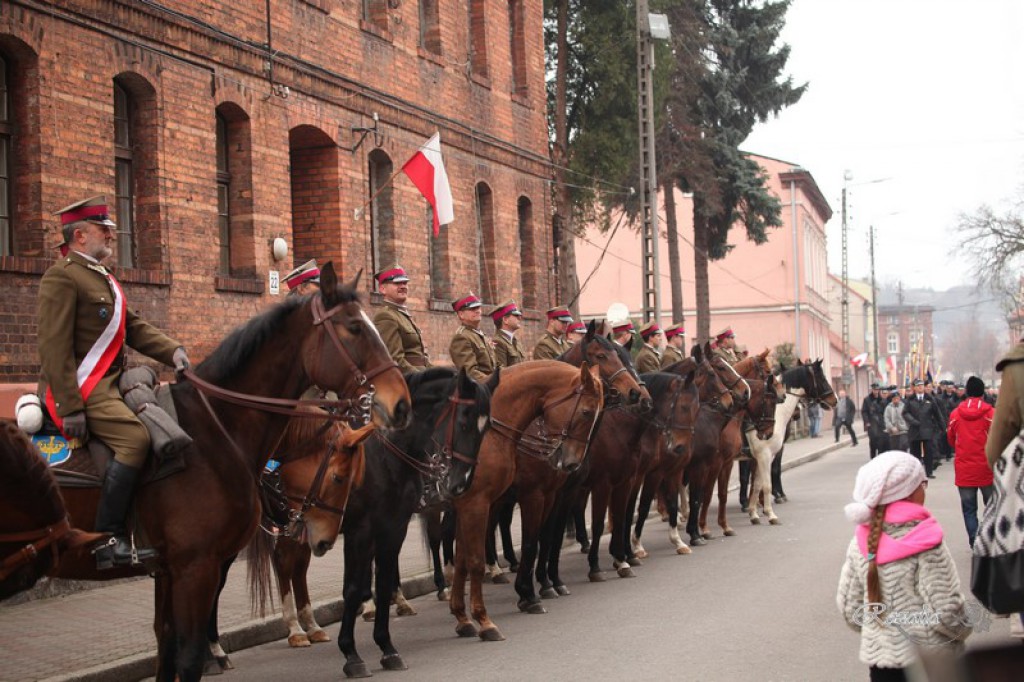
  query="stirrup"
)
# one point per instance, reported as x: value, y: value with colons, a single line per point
x: 107, y: 557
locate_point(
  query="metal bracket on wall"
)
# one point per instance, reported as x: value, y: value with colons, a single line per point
x: 378, y: 136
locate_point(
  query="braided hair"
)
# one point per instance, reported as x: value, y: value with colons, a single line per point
x: 874, y: 535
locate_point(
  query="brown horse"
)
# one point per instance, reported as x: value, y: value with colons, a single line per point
x: 759, y: 409
x: 204, y: 515
x: 569, y: 400
x: 665, y: 478
x: 34, y: 525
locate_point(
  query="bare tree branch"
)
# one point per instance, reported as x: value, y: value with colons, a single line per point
x: 993, y: 243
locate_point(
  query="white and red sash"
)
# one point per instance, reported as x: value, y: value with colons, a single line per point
x: 99, y: 358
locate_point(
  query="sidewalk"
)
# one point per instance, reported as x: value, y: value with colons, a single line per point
x: 106, y: 633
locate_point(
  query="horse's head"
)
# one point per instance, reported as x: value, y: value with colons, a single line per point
x: 677, y: 402
x: 616, y: 368
x: 713, y: 391
x: 733, y: 381
x: 574, y: 416
x: 761, y: 407
x: 345, y: 354
x: 809, y: 382
x: 461, y: 426
x: 318, y: 477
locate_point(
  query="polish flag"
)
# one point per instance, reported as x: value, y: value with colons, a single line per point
x: 426, y: 170
x: 890, y: 363
x: 859, y: 360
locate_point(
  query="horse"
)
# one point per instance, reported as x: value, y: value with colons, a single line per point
x: 200, y: 517
x: 541, y: 483
x: 34, y: 524
x: 625, y: 447
x: 427, y: 464
x: 666, y: 477
x: 570, y: 401
x: 802, y: 383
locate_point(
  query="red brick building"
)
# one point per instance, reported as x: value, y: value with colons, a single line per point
x: 903, y: 329
x: 215, y: 127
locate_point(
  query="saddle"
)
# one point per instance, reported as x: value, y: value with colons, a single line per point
x: 85, y: 466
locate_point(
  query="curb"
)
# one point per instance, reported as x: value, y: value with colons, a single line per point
x: 327, y: 612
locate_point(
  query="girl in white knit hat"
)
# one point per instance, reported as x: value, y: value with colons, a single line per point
x: 899, y: 587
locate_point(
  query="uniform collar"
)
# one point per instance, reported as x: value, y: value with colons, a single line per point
x: 89, y: 262
x: 397, y: 306
x: 509, y: 335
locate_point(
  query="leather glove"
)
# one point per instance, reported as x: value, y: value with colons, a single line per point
x: 180, y: 359
x: 74, y: 426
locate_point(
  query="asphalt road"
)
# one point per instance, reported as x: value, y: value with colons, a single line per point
x: 760, y: 605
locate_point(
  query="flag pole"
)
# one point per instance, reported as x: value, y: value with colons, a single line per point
x: 359, y: 211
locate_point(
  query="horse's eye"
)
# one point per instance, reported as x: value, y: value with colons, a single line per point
x: 354, y: 328
x: 587, y: 412
x: 602, y: 356
x: 335, y: 478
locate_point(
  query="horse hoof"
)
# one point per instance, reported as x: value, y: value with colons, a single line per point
x: 625, y: 571
x: 684, y: 550
x: 492, y: 634
x: 596, y: 576
x: 318, y: 636
x: 465, y: 630
x: 513, y: 568
x: 369, y: 616
x: 548, y: 593
x: 527, y: 606
x: 775, y: 522
x: 585, y: 548
x: 728, y: 532
x: 211, y: 667
x: 298, y: 641
x: 697, y: 541
x: 756, y: 521
x: 562, y: 590
x: 356, y: 670
x: 664, y: 518
x: 443, y: 595
x: 405, y: 610
x: 706, y: 534
x: 634, y: 561
x: 393, y: 662
x: 225, y: 663
x: 642, y: 554
x: 499, y: 579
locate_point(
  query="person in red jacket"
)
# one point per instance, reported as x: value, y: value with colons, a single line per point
x: 967, y: 433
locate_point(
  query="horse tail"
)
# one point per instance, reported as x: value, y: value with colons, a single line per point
x: 258, y: 561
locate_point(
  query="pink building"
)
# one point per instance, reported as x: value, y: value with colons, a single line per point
x: 765, y: 293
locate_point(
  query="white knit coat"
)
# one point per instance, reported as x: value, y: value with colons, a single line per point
x: 925, y: 583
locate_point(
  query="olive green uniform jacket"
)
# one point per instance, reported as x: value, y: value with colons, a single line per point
x: 507, y: 351
x: 671, y: 356
x: 1009, y: 415
x: 471, y: 350
x: 727, y: 354
x: 402, y: 337
x: 76, y: 303
x: 549, y: 347
x: 647, y: 360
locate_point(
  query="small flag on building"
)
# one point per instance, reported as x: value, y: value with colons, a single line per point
x: 859, y: 360
x: 426, y: 170
x: 890, y: 363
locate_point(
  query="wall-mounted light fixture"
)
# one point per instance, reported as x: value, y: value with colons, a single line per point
x: 279, y: 249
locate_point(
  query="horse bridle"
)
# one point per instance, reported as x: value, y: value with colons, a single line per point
x: 667, y: 426
x: 767, y: 407
x: 715, y: 404
x: 38, y: 540
x: 816, y: 398
x: 540, y: 446
x: 312, y: 499
x: 612, y: 396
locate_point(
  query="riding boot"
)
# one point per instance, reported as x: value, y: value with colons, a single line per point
x: 111, y: 517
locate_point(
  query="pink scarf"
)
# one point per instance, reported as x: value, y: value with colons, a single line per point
x: 925, y: 535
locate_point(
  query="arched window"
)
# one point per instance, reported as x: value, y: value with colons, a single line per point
x: 893, y: 343
x: 237, y: 252
x: 382, y: 210
x: 223, y: 196
x: 124, y: 177
x: 430, y: 26
x: 527, y: 253
x: 6, y: 160
x: 517, y: 45
x: 488, y: 275
x: 375, y: 12
x: 477, y: 38
x: 136, y: 175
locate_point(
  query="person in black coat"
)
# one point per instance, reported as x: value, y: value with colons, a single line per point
x: 842, y: 416
x: 872, y: 411
x: 925, y: 421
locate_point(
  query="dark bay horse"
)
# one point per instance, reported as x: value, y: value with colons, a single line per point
x: 436, y: 455
x: 204, y: 515
x: 665, y: 478
x: 34, y: 525
x: 570, y: 401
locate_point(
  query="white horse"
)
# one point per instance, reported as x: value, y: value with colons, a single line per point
x: 803, y: 382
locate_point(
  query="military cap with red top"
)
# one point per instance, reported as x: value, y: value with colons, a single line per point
x: 307, y: 272
x: 466, y: 303
x: 626, y: 326
x: 725, y: 334
x: 394, y: 273
x: 649, y: 330
x: 674, y: 331
x: 93, y: 210
x: 560, y: 313
x: 576, y: 328
x: 506, y: 308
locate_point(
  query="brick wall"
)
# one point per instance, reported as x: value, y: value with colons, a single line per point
x: 306, y: 178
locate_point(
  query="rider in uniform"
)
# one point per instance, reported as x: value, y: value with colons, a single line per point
x: 470, y: 348
x: 649, y: 358
x: 553, y: 342
x: 400, y: 334
x: 622, y: 333
x: 575, y: 332
x: 725, y: 346
x: 84, y: 325
x: 675, y: 340
x: 304, y: 279
x: 507, y: 320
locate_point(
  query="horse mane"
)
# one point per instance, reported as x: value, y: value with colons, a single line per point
x: 789, y: 376
x: 26, y: 481
x: 659, y: 382
x: 415, y: 380
x: 235, y: 351
x: 299, y: 435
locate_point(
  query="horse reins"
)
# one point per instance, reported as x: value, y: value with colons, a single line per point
x: 540, y: 446
x: 43, y: 537
x: 447, y: 450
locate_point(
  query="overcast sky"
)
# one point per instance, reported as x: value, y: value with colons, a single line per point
x: 929, y: 93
